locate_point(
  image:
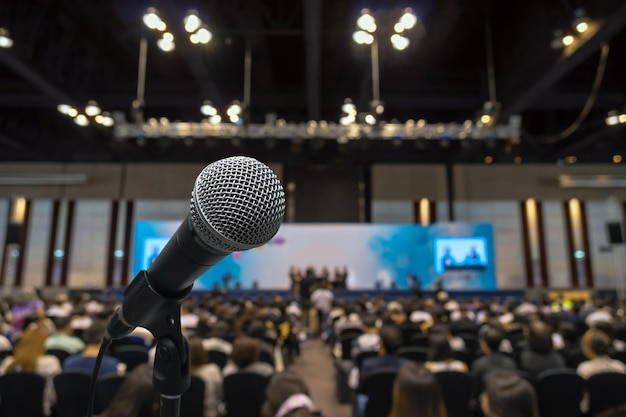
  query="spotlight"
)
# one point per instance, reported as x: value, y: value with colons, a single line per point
x: 215, y: 119
x: 5, y: 39
x: 92, y: 108
x: 612, y: 118
x: 567, y: 40
x: 370, y: 119
x: 348, y: 107
x: 571, y: 159
x: 622, y: 117
x: 67, y: 110
x: 208, y: 109
x: 152, y: 20
x: 203, y: 35
x: 105, y: 119
x: 581, y: 21
x: 408, y: 19
x: 234, y: 109
x: 617, y: 159
x: 81, y: 120
x: 362, y: 38
x: 399, y: 42
x: 366, y: 21
x: 192, y: 21
x: 488, y: 159
x: 166, y: 43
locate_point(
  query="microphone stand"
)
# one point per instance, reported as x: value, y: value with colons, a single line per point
x: 143, y: 306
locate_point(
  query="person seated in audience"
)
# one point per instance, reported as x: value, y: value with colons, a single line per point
x: 29, y: 355
x: 596, y: 346
x: 603, y: 313
x: 220, y: 338
x: 540, y: 356
x: 288, y: 396
x: 571, y: 350
x: 369, y: 340
x: 506, y: 394
x: 63, y: 338
x: 245, y: 358
x: 416, y: 393
x: 440, y: 355
x: 396, y: 313
x: 209, y: 373
x: 188, y: 318
x: 258, y: 331
x: 456, y: 343
x: 463, y: 321
x: 390, y: 342
x: 349, y: 320
x: 489, y: 342
x: 86, y: 360
x: 136, y: 397
x: 60, y: 307
x: 609, y: 330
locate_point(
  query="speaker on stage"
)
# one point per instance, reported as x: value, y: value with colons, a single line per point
x: 614, y: 230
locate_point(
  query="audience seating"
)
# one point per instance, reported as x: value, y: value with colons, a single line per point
x: 419, y: 339
x: 414, y: 353
x: 465, y: 356
x: 72, y: 392
x: 131, y: 355
x: 60, y: 354
x: 266, y: 357
x: 605, y: 390
x: 218, y: 357
x: 106, y: 389
x: 408, y: 331
x: 192, y: 401
x: 457, y: 389
x: 361, y: 356
x: 21, y: 394
x: 559, y: 392
x: 378, y: 387
x: 471, y: 341
x: 234, y: 387
x: 346, y: 345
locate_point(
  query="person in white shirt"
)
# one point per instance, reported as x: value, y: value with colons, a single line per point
x: 322, y: 300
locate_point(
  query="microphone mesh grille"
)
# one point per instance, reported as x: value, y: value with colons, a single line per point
x: 237, y: 204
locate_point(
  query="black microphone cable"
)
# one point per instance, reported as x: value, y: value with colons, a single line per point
x: 106, y: 342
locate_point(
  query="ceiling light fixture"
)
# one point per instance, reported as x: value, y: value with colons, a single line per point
x: 5, y: 39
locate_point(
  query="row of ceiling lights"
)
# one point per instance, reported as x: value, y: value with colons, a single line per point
x: 564, y: 38
x: 199, y: 33
x: 367, y: 29
x: 92, y: 110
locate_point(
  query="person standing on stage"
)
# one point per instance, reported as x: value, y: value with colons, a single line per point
x: 306, y: 289
x: 415, y: 284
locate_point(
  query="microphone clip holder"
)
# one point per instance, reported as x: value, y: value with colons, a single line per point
x: 145, y: 307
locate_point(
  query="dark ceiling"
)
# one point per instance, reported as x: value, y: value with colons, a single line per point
x: 304, y: 64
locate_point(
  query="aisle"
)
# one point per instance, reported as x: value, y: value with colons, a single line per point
x: 316, y: 368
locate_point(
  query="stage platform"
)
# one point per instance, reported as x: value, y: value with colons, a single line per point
x: 389, y: 294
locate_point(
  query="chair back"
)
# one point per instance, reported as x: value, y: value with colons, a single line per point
x: 218, y: 357
x: 414, y: 353
x: 253, y: 385
x: 457, y: 388
x: 72, y: 391
x: 378, y: 386
x: 266, y: 357
x: 351, y: 330
x: 60, y: 354
x: 346, y: 345
x: 419, y: 339
x: 605, y: 390
x: 361, y: 356
x: 106, y: 389
x: 408, y: 330
x: 192, y: 401
x: 131, y: 355
x: 465, y: 356
x: 21, y: 394
x: 559, y: 392
x: 471, y: 341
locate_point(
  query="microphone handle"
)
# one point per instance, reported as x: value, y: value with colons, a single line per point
x: 183, y: 259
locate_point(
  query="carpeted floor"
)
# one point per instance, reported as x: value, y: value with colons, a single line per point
x: 315, y: 365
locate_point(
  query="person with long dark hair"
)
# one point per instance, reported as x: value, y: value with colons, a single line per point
x: 288, y: 396
x: 416, y: 393
x: 507, y: 394
x: 137, y: 397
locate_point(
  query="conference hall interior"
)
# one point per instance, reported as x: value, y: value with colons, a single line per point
x: 297, y: 208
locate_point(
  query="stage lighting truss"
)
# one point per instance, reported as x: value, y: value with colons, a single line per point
x: 411, y: 130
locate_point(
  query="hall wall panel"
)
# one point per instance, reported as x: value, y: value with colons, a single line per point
x: 393, y: 211
x: 4, y: 208
x: 408, y: 181
x: 88, y: 258
x: 608, y: 261
x: 556, y: 244
x: 515, y: 182
x: 37, y: 243
x: 103, y: 181
x: 31, y: 191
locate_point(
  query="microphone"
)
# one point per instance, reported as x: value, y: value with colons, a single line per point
x: 237, y: 204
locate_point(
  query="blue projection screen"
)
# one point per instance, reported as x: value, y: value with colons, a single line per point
x: 374, y: 254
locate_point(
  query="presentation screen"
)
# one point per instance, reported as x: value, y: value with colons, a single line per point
x: 375, y: 255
